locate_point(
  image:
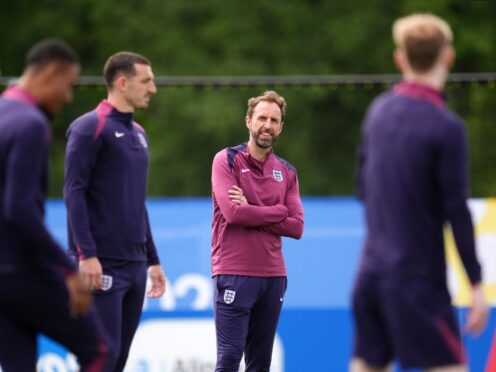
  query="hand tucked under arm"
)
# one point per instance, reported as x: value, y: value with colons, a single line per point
x: 237, y: 196
x: 291, y: 226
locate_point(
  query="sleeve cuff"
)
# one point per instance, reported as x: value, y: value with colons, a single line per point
x: 153, y: 261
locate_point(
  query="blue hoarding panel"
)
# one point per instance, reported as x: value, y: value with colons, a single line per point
x: 316, y: 328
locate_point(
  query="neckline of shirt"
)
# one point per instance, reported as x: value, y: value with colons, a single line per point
x: 112, y: 111
x: 17, y: 93
x: 246, y: 150
x: 421, y: 91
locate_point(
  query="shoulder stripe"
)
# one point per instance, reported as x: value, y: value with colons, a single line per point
x: 102, y: 112
x: 286, y: 163
x: 231, y: 153
x: 15, y: 93
x: 139, y: 127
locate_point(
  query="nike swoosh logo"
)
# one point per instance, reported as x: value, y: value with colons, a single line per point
x: 244, y: 170
x: 119, y: 134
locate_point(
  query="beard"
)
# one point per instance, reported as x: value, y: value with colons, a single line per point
x: 264, y: 143
x: 139, y: 102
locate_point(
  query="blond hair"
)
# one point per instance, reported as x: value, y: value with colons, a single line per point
x: 270, y: 96
x: 422, y: 37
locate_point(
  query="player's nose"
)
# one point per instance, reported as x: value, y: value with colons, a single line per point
x: 152, y: 89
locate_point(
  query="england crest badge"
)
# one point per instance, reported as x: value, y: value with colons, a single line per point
x: 277, y: 175
x: 229, y: 296
x: 106, y: 282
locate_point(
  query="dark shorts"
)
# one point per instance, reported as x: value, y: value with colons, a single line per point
x: 408, y: 319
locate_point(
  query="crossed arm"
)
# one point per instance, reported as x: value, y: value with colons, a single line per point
x: 280, y: 219
x: 292, y: 225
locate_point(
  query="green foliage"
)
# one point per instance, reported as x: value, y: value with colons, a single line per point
x: 212, y: 37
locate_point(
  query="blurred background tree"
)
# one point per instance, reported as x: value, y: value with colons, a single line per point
x: 187, y: 126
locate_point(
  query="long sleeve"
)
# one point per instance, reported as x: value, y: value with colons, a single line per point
x: 361, y: 158
x: 23, y: 208
x: 223, y: 179
x: 151, y: 250
x: 292, y: 225
x: 359, y: 184
x: 80, y: 159
x: 454, y: 185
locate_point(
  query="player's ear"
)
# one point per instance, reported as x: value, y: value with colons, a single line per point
x: 399, y: 59
x: 247, y: 121
x: 449, y: 55
x: 120, y: 82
